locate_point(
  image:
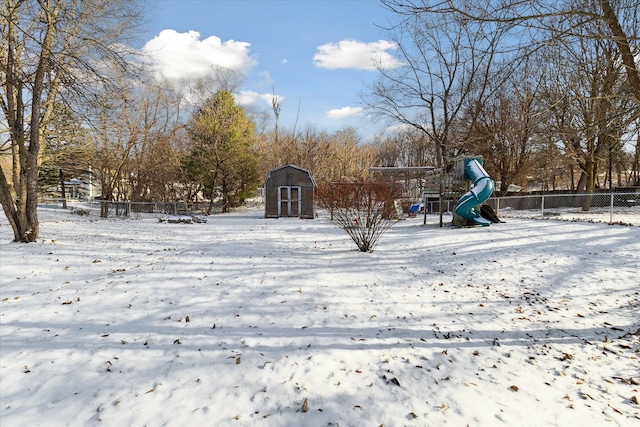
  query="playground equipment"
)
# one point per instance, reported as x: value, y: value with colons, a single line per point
x: 468, y: 206
x: 466, y: 183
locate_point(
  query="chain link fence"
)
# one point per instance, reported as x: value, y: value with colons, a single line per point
x: 171, y: 211
x: 132, y: 210
x: 612, y: 208
x: 618, y: 207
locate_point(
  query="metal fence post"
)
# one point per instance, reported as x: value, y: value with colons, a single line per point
x: 542, y: 207
x: 611, y: 210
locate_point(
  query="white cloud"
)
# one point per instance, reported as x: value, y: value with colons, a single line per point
x: 185, y: 55
x: 399, y: 128
x: 344, y: 112
x: 356, y: 54
x: 265, y: 78
x: 248, y: 97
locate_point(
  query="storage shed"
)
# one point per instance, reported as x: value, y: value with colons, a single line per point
x: 289, y: 192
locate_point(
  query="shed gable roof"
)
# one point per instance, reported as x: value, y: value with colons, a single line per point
x: 313, y: 182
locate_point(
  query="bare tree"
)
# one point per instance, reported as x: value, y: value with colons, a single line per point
x: 276, y: 106
x: 591, y: 120
x: 346, y: 157
x: 65, y: 153
x: 507, y: 129
x: 405, y: 147
x: 125, y: 121
x: 588, y: 96
x: 155, y: 161
x: 634, y: 172
x: 198, y: 91
x: 541, y: 22
x: 52, y: 51
x: 551, y: 166
x: 447, y: 65
x: 329, y: 156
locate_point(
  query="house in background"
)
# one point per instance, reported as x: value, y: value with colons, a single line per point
x: 289, y: 192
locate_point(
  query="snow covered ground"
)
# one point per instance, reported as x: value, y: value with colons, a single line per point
x: 246, y: 321
x: 617, y: 215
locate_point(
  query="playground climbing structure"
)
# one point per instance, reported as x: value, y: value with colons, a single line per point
x: 466, y: 185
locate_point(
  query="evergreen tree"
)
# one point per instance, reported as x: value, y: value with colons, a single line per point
x: 224, y: 159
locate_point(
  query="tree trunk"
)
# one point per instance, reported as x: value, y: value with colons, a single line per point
x: 9, y: 207
x: 590, y: 184
x: 28, y: 209
x: 62, y: 192
x: 225, y: 196
x: 211, y: 196
x: 635, y: 168
x: 624, y: 47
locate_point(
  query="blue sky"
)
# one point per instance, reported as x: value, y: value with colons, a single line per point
x: 316, y: 54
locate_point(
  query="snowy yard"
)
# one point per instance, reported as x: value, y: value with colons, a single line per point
x: 246, y: 321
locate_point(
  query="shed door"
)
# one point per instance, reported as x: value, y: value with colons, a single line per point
x: 289, y: 201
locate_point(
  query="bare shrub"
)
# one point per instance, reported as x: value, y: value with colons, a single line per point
x: 364, y: 209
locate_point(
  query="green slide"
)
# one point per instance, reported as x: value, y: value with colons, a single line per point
x: 468, y: 207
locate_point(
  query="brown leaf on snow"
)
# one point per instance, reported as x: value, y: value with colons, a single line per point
x: 305, y: 405
x: 514, y: 388
x: 631, y: 380
x: 634, y: 399
x: 565, y: 356
x: 616, y: 410
x: 238, y: 361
